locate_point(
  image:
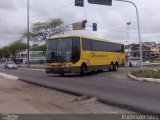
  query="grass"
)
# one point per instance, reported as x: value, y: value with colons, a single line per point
x: 146, y: 74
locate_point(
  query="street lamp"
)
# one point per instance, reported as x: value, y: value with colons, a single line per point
x: 126, y: 49
x: 128, y: 23
x: 139, y: 34
x: 28, y: 32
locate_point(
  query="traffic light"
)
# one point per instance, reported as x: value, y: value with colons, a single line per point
x: 84, y: 22
x: 101, y: 2
x: 44, y: 53
x: 94, y: 26
x: 79, y: 3
x: 128, y: 23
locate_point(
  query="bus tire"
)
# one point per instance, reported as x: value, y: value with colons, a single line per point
x: 99, y: 70
x: 116, y: 66
x: 83, y: 69
x: 111, y: 67
x: 62, y: 74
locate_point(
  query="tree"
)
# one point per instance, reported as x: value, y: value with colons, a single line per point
x: 35, y: 45
x: 15, y: 48
x: 5, y: 53
x: 39, y: 48
x: 41, y: 31
x: 1, y: 54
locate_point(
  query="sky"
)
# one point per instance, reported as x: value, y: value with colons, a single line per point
x: 111, y: 20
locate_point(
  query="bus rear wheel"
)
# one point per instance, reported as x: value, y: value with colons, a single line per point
x: 83, y: 69
x: 111, y: 67
x: 115, y: 67
x: 62, y: 74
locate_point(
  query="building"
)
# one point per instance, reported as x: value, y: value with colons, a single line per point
x: 149, y: 44
x: 35, y: 57
x: 22, y: 57
x: 149, y: 51
x: 155, y: 51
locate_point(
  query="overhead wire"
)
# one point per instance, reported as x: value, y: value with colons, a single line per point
x: 68, y: 4
x: 123, y: 31
x: 60, y: 8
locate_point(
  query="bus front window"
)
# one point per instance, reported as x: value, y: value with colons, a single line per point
x: 51, y: 51
x: 64, y: 50
x: 59, y: 50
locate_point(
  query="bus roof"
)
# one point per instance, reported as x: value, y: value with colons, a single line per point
x: 95, y: 38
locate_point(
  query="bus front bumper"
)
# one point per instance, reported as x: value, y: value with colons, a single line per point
x: 59, y: 70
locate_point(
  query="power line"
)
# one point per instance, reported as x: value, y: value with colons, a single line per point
x: 123, y: 31
x: 60, y: 8
x: 112, y: 30
x: 150, y: 32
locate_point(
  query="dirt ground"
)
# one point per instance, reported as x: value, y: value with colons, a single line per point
x: 18, y: 97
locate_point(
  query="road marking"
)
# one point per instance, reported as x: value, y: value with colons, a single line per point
x: 89, y: 100
x: 10, y: 77
x: 31, y: 69
x: 143, y: 79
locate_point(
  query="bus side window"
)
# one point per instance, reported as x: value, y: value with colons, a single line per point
x: 86, y: 44
x: 75, y: 49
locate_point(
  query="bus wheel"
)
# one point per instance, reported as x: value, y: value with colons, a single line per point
x: 99, y: 70
x: 83, y: 69
x: 62, y: 74
x: 111, y: 67
x: 116, y: 67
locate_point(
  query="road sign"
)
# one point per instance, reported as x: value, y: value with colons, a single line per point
x: 94, y: 26
x: 84, y: 22
x: 36, y: 55
x: 79, y: 3
x: 101, y: 2
x: 77, y: 26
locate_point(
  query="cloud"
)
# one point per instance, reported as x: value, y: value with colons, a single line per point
x: 150, y: 19
x: 111, y: 20
x: 7, y: 5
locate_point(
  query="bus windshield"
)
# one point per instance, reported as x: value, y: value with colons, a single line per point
x: 59, y: 50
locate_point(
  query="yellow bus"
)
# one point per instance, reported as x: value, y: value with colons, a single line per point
x: 78, y: 54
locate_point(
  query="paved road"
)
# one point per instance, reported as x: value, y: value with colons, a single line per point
x: 109, y: 87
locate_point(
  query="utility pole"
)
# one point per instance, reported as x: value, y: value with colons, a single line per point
x: 139, y: 34
x: 28, y: 33
x: 128, y: 23
x: 127, y: 46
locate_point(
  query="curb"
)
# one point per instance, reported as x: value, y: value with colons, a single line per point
x: 10, y: 77
x: 99, y: 99
x: 143, y: 79
x: 104, y: 101
x: 32, y: 69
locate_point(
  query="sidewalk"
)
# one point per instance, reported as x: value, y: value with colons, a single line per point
x: 22, y: 98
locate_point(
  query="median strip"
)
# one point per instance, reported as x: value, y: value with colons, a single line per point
x: 10, y: 77
x: 143, y: 79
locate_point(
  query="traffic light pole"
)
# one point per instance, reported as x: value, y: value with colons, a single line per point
x: 139, y: 34
x: 69, y: 25
x: 28, y: 33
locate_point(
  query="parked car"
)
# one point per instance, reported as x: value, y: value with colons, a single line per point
x: 10, y: 65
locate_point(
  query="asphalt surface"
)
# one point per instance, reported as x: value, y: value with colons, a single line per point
x: 142, y: 97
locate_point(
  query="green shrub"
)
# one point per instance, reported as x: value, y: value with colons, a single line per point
x: 146, y: 73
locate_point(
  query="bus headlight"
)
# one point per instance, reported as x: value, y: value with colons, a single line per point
x: 67, y: 66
